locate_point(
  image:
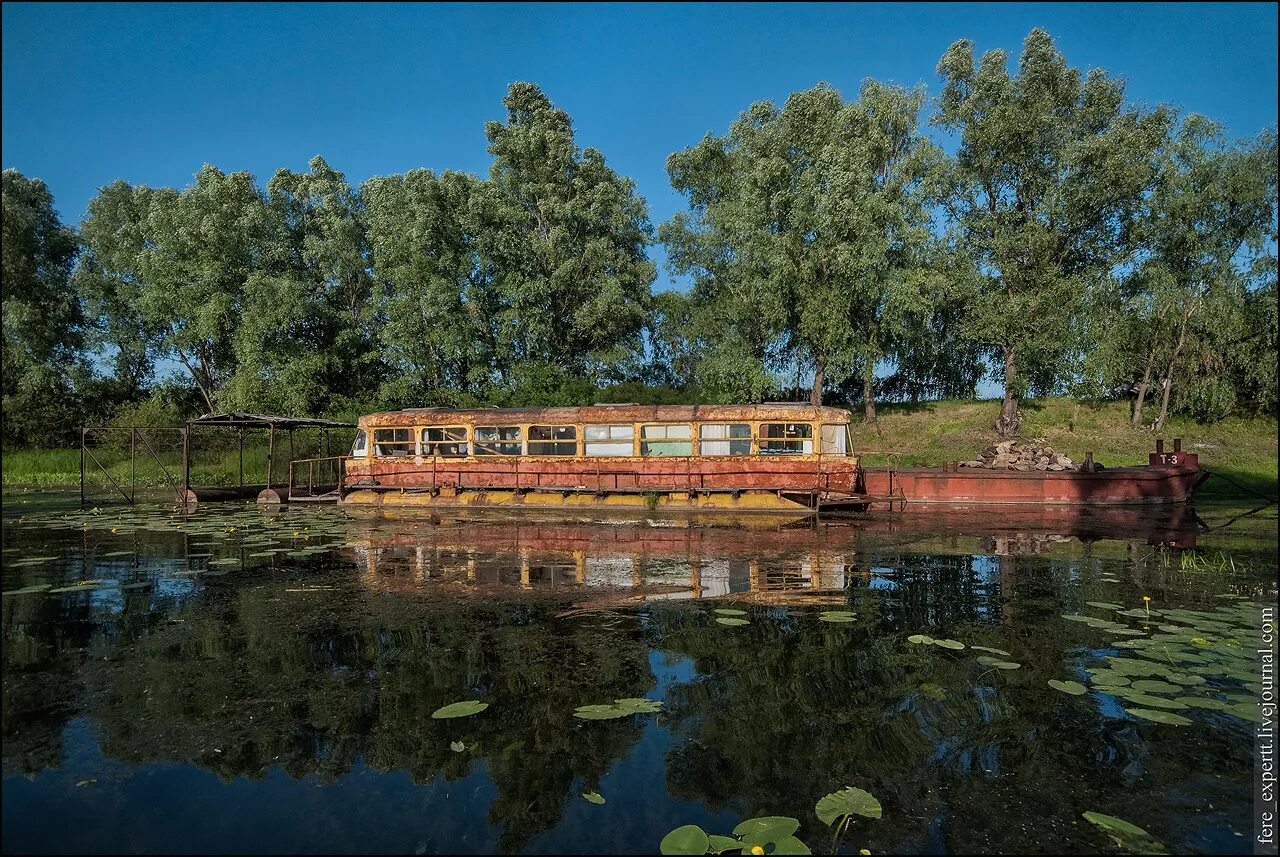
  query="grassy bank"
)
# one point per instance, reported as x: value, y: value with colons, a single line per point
x: 931, y: 433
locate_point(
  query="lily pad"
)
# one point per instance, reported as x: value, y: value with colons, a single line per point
x: 459, y: 709
x: 1159, y: 716
x: 920, y: 638
x: 949, y: 644
x: 1001, y: 652
x: 689, y: 839
x: 790, y: 845
x: 837, y: 616
x: 1105, y: 605
x: 1156, y: 686
x: 457, y: 746
x: 724, y: 620
x: 766, y: 829
x: 847, y: 801
x: 725, y: 611
x: 1006, y: 665
x: 1112, y: 824
x: 593, y: 797
x: 719, y: 844
x: 1072, y: 687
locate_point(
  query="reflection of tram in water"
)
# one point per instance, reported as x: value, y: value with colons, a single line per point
x: 655, y: 563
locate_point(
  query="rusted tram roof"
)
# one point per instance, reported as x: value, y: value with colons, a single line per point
x: 779, y: 411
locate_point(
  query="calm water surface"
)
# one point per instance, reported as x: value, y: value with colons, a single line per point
x: 234, y: 680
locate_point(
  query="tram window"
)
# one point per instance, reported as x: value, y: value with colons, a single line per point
x: 392, y: 442
x: 360, y: 448
x: 445, y: 441
x: 553, y: 440
x: 498, y: 440
x: 835, y: 439
x: 786, y: 438
x: 666, y: 440
x: 725, y: 438
x: 609, y: 439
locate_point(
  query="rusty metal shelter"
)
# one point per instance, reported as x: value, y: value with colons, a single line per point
x: 149, y: 444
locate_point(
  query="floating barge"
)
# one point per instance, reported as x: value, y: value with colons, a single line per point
x: 1168, y: 478
x: 773, y: 457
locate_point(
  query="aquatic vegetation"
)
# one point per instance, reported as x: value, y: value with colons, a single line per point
x: 765, y: 835
x: 459, y: 709
x: 837, y: 616
x: 1001, y: 652
x: 731, y: 621
x: 1128, y: 836
x: 948, y: 644
x: 593, y: 797
x: 619, y: 708
x: 849, y: 801
x: 1072, y: 687
x: 457, y: 746
x: 920, y: 638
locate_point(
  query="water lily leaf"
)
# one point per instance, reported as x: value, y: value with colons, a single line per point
x: 1006, y: 665
x: 949, y: 644
x: 600, y: 712
x: 1159, y: 716
x: 766, y: 829
x: 790, y: 845
x: 1202, y: 702
x: 1112, y: 824
x: 1108, y: 677
x: 689, y: 839
x: 725, y: 611
x: 1140, y: 612
x: 920, y: 638
x: 1149, y: 700
x: 719, y: 844
x: 1001, y: 652
x: 734, y: 622
x: 836, y: 616
x: 593, y: 797
x: 847, y: 801
x: 1105, y: 605
x: 460, y: 709
x: 1072, y: 687
x: 457, y: 746
x: 1156, y: 686
x: 638, y: 705
x: 1246, y: 710
x: 27, y: 590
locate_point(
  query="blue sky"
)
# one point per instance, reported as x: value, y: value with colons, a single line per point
x: 149, y: 92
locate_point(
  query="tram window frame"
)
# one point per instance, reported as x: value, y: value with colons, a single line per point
x: 400, y: 443
x: 360, y: 446
x: 656, y: 440
x: 502, y: 444
x: 738, y: 439
x: 618, y: 436
x: 835, y: 435
x: 796, y: 438
x: 431, y: 446
x: 555, y: 444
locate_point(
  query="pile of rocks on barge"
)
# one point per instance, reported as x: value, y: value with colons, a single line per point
x: 1016, y: 455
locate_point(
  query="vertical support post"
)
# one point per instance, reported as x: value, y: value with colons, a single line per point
x: 241, y: 433
x: 271, y: 447
x: 82, y: 441
x: 133, y: 464
x: 186, y: 465
x: 1159, y: 446
x: 291, y: 444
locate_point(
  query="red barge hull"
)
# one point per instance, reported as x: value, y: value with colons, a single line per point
x: 1167, y: 478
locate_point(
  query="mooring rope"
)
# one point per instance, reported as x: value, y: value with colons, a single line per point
x: 1242, y: 487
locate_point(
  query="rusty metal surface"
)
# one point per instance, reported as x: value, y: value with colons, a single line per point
x: 596, y: 414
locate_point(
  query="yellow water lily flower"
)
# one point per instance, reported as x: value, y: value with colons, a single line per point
x: 757, y: 849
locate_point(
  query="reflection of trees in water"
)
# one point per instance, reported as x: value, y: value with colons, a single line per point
x: 256, y: 677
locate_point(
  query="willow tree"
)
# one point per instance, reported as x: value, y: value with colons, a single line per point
x: 564, y: 236
x: 805, y: 227
x: 175, y: 265
x: 306, y: 335
x: 42, y: 315
x: 1052, y: 169
x: 441, y: 335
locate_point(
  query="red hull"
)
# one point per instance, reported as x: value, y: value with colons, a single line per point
x: 1170, y: 478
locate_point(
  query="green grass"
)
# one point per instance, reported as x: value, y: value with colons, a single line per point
x: 51, y: 468
x: 1241, y: 449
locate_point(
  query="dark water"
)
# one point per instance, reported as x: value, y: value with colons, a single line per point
x: 206, y: 695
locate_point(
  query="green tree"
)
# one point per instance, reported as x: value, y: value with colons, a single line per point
x: 308, y: 315
x: 806, y: 231
x: 43, y: 317
x: 564, y: 237
x: 443, y: 333
x: 1051, y: 171
x: 176, y: 264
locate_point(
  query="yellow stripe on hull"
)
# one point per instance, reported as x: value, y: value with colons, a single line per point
x: 747, y: 501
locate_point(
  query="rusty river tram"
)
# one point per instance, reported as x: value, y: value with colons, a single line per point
x: 782, y: 457
x: 770, y: 457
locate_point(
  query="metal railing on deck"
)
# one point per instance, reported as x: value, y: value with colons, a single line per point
x: 315, y: 477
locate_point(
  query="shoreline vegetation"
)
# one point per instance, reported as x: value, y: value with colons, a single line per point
x: 1242, y: 450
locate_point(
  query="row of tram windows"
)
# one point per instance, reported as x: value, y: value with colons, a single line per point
x: 605, y: 440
